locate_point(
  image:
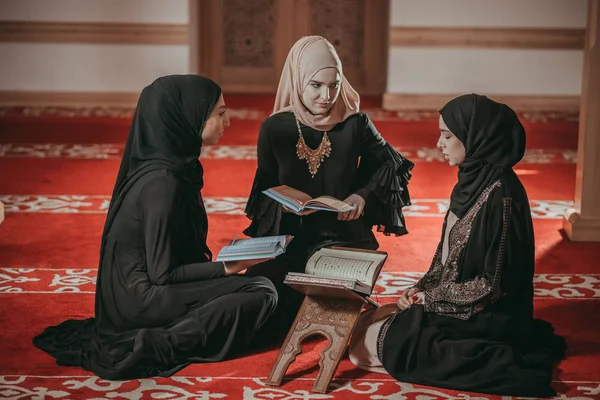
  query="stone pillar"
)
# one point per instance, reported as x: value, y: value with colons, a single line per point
x: 583, y: 222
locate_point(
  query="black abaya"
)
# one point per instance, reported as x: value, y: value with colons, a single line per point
x: 161, y: 304
x: 476, y: 330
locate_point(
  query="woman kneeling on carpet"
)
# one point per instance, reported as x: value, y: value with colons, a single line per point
x: 314, y: 142
x: 161, y: 304
x: 468, y: 323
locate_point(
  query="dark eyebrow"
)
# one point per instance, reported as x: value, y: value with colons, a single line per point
x: 222, y: 107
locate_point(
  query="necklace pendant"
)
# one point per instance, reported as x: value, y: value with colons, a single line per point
x: 313, y: 157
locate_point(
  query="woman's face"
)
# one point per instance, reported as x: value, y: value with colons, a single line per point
x: 322, y: 91
x: 215, y: 124
x: 452, y: 148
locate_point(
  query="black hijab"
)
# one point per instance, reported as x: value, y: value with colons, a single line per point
x: 166, y: 133
x: 494, y: 140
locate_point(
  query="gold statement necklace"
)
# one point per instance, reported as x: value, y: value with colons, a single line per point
x: 315, y: 157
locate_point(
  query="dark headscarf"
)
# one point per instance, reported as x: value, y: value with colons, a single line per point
x: 494, y: 140
x: 166, y: 133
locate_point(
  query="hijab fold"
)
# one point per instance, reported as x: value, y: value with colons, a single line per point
x: 307, y: 57
x: 494, y: 140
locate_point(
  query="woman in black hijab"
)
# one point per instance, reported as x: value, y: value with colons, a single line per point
x: 468, y: 323
x: 161, y: 303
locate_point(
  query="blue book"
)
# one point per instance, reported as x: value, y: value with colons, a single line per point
x: 254, y: 248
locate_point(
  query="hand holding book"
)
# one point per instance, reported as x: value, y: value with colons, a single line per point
x: 358, y: 203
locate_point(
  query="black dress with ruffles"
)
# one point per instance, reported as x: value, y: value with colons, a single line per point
x: 361, y: 162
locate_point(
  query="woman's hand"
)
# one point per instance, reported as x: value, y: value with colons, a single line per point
x: 410, y: 297
x: 359, y: 206
x: 418, y: 298
x: 234, y: 267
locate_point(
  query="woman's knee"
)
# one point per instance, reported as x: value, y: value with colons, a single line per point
x: 264, y: 286
x: 262, y: 283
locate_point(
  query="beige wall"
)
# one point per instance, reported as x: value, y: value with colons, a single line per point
x: 488, y: 13
x: 459, y: 69
x: 165, y: 11
x: 82, y: 67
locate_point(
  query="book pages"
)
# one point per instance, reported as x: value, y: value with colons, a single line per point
x: 334, y: 263
x: 259, y: 242
x: 254, y: 248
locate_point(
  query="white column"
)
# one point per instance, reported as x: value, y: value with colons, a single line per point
x: 583, y: 222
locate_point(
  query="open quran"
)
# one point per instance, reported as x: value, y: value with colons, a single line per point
x: 254, y: 248
x: 339, y: 272
x: 338, y: 282
x: 298, y: 201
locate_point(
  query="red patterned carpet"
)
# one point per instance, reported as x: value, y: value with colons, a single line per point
x: 57, y: 168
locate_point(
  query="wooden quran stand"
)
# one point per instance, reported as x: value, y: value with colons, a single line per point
x: 334, y: 318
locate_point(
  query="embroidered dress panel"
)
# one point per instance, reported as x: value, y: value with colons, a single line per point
x: 459, y: 300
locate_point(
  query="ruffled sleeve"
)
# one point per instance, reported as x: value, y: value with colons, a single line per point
x: 264, y: 212
x: 383, y: 176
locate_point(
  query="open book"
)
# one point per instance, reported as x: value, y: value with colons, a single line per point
x: 254, y: 248
x: 298, y: 201
x: 339, y: 272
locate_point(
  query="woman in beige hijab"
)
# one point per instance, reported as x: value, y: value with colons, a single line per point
x: 318, y: 142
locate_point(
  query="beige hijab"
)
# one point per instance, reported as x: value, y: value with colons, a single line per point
x: 308, y: 56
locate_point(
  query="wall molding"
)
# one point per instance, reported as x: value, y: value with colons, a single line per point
x: 68, y: 99
x: 93, y: 33
x: 391, y: 101
x: 520, y: 103
x: 508, y: 38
